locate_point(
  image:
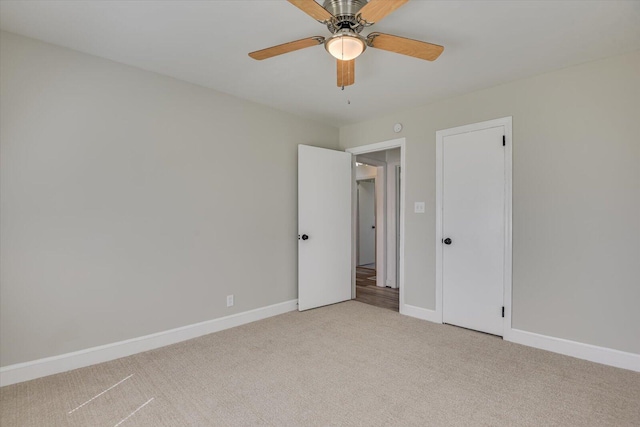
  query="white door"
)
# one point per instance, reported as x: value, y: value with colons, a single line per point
x: 324, y: 226
x: 366, y: 222
x: 473, y: 216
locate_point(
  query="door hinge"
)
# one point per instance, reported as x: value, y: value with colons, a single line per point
x: 504, y: 140
x: 503, y: 311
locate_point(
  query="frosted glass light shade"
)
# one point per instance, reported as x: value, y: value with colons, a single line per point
x: 345, y: 47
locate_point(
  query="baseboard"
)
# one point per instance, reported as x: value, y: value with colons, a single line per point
x: 604, y: 355
x: 420, y: 313
x: 593, y: 353
x: 65, y: 362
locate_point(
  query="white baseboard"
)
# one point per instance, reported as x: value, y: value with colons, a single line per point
x: 604, y: 355
x: 593, y: 353
x: 65, y: 362
x: 420, y: 313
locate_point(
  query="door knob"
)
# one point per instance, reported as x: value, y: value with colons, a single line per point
x: 447, y: 241
x: 305, y: 237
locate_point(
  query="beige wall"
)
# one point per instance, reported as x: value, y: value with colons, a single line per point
x: 127, y: 207
x: 576, y: 196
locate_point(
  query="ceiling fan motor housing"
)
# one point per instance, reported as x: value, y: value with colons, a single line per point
x: 344, y: 12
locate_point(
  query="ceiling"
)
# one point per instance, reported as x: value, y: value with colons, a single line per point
x: 206, y: 42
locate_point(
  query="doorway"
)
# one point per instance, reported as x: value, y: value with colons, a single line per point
x: 473, y: 220
x: 377, y: 222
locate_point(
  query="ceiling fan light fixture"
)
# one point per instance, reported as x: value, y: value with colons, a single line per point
x: 345, y: 45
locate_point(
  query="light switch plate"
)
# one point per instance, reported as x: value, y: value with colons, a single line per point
x: 418, y: 207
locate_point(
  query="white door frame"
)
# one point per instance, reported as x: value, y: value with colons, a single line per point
x: 508, y: 168
x: 396, y: 171
x: 370, y: 148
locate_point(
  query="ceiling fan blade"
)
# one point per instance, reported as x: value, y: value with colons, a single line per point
x: 404, y: 46
x: 375, y: 10
x: 286, y: 48
x: 313, y: 9
x: 346, y: 72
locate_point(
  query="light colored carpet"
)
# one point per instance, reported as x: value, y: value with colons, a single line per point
x: 330, y: 367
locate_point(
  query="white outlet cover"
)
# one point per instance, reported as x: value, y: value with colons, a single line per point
x: 229, y: 300
x: 418, y: 207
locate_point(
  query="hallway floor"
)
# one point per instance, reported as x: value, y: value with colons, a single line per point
x: 368, y: 293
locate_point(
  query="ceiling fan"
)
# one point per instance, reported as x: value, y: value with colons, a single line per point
x: 345, y: 19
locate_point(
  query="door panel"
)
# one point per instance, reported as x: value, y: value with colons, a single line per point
x: 474, y: 220
x: 324, y: 215
x: 366, y: 223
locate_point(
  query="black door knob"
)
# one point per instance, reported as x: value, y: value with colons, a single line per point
x: 447, y: 241
x: 305, y: 237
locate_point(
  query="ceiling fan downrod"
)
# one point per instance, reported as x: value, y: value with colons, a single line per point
x: 345, y: 15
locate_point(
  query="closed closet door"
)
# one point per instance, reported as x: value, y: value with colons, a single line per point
x: 473, y: 215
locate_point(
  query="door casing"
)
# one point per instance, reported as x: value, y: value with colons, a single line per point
x: 506, y: 122
x: 370, y: 148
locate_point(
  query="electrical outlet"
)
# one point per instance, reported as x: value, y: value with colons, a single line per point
x: 229, y: 300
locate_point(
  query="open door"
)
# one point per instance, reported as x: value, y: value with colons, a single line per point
x: 324, y: 227
x: 366, y: 223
